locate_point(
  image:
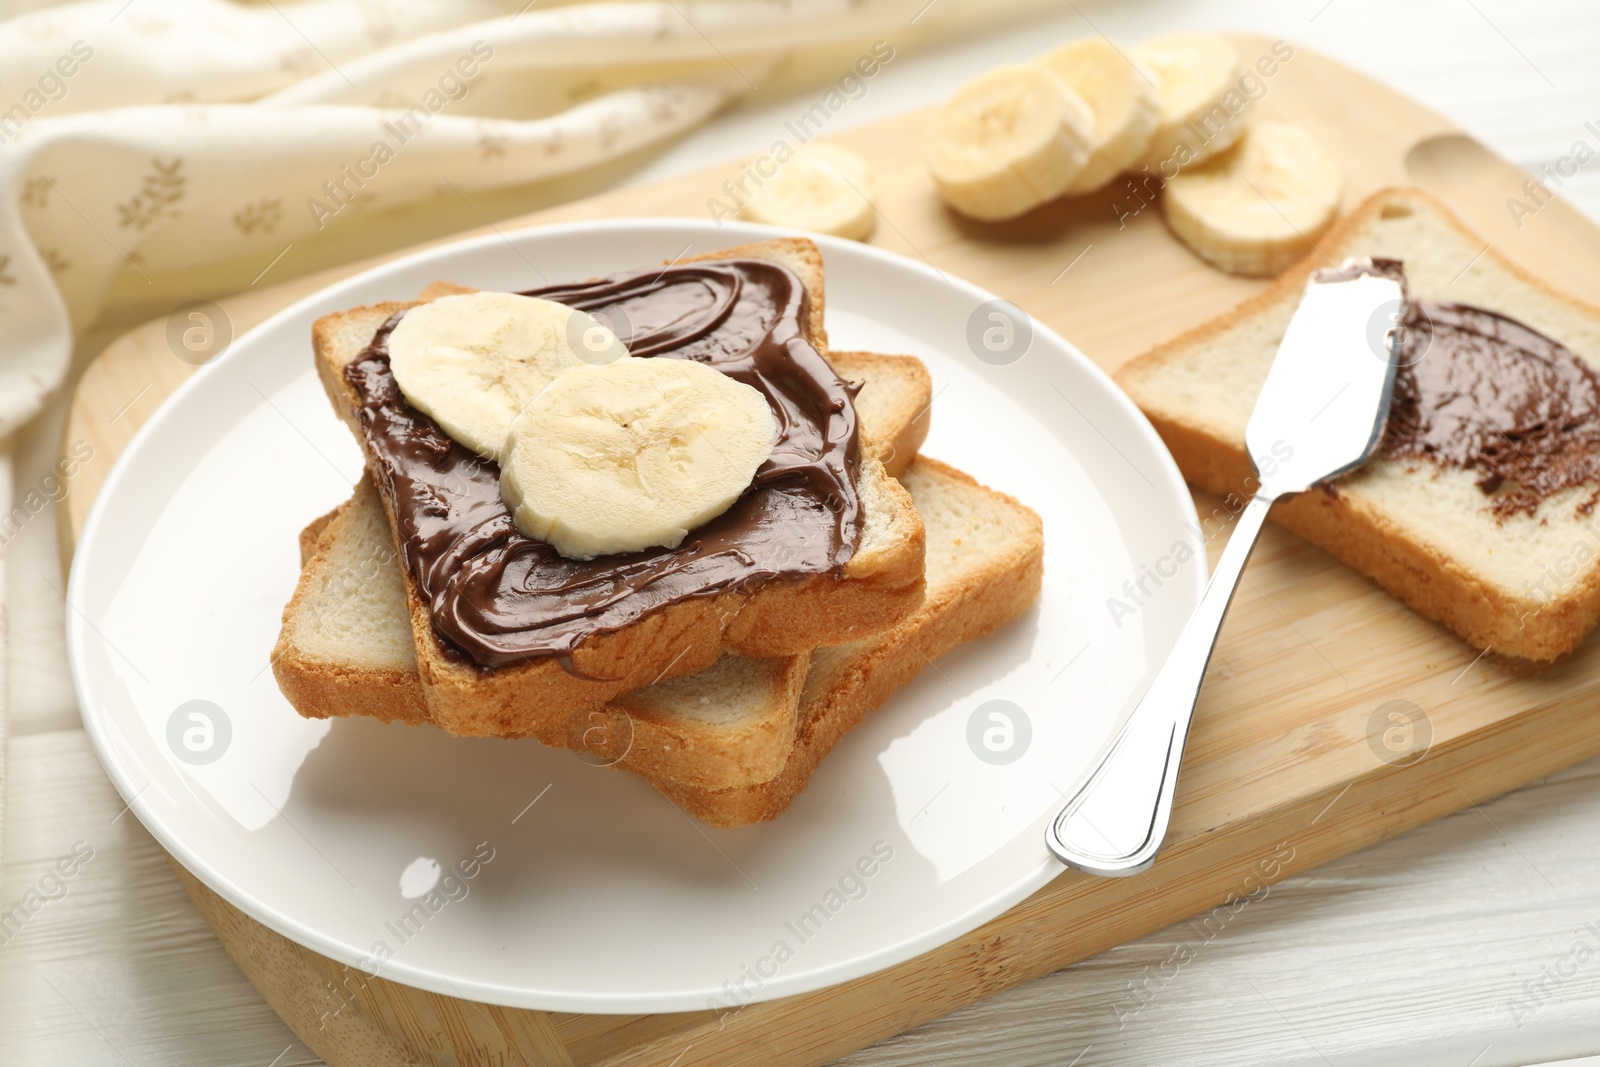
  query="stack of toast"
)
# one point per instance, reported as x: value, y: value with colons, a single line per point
x: 726, y: 701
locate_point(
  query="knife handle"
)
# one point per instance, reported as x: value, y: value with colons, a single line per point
x: 1115, y: 823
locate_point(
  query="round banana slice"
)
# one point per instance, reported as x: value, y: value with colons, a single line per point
x: 1260, y: 207
x: 1125, y: 96
x: 632, y: 454
x: 1203, y: 109
x: 474, y: 360
x: 823, y: 189
x: 1008, y: 141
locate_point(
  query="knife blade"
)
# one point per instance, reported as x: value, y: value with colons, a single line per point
x: 1320, y: 414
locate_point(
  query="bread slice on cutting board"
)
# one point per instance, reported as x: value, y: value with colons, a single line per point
x: 880, y: 584
x: 346, y: 646
x: 1525, y: 585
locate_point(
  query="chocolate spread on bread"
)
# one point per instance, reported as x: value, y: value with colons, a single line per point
x: 498, y: 598
x: 1483, y: 392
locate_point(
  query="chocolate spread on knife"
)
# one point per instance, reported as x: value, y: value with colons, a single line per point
x: 1483, y: 392
x: 499, y: 598
x: 1358, y: 267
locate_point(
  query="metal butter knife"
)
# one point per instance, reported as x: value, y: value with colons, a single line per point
x: 1321, y: 413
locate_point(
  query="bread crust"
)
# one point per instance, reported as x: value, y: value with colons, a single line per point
x: 894, y: 434
x: 878, y: 587
x: 637, y: 734
x: 977, y: 603
x: 1344, y: 523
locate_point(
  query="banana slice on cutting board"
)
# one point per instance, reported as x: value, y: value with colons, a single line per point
x: 823, y: 189
x: 1008, y: 141
x: 473, y: 361
x: 632, y: 454
x: 1258, y: 208
x: 1203, y: 110
x: 1125, y: 96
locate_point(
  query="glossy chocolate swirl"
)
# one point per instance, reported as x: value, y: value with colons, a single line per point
x: 498, y: 598
x: 1481, y: 391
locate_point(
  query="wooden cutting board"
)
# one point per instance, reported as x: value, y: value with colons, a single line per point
x: 1295, y: 757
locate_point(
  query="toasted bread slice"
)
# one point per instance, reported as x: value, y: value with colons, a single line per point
x: 1424, y: 531
x: 346, y: 646
x: 985, y: 565
x: 881, y: 583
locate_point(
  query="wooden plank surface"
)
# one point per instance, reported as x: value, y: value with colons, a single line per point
x: 1280, y: 773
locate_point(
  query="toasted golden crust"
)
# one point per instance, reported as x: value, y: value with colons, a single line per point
x: 845, y: 684
x: 880, y: 585
x: 1358, y: 527
x: 648, y: 732
x: 894, y: 421
x: 364, y: 693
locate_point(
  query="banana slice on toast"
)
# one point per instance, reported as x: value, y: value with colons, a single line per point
x: 473, y: 360
x: 633, y: 455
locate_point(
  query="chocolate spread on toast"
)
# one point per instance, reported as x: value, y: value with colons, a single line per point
x: 498, y: 598
x: 1480, y: 391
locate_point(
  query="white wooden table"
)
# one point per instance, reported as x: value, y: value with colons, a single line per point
x: 1472, y: 942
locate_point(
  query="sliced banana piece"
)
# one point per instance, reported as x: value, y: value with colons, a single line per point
x: 473, y: 361
x: 1258, y: 208
x: 1125, y: 96
x: 632, y: 454
x: 823, y: 189
x: 1203, y: 110
x: 1008, y: 141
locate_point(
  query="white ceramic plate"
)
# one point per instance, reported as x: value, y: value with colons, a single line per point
x: 601, y: 896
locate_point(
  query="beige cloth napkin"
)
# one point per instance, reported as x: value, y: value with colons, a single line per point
x: 123, y: 146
